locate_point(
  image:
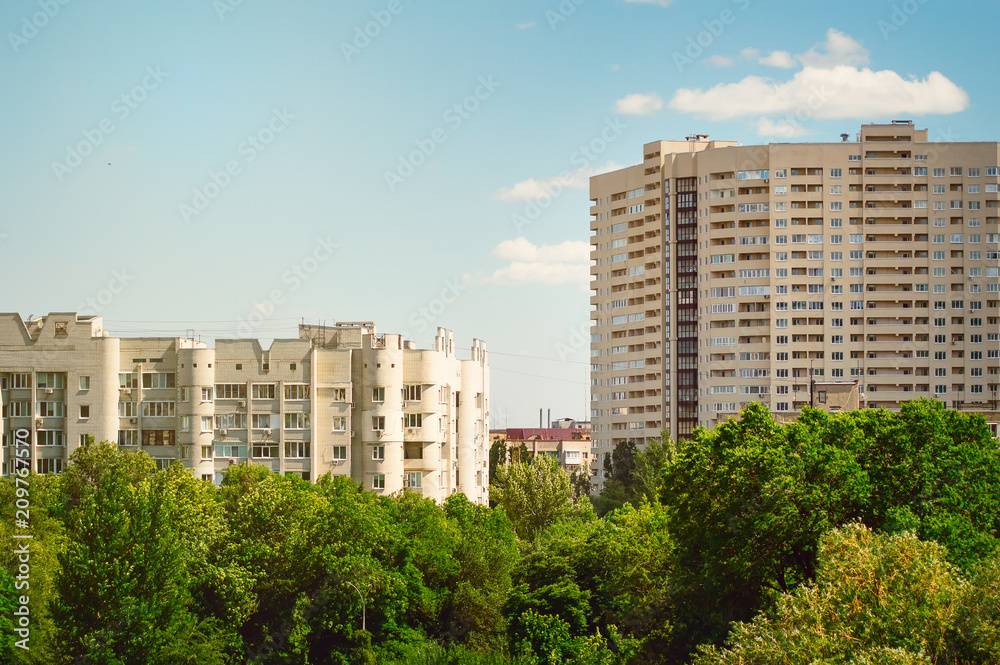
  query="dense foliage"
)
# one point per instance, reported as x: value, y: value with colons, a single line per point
x: 864, y: 537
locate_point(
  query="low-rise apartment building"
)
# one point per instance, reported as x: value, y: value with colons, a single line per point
x: 341, y: 399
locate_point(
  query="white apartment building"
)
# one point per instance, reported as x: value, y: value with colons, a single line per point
x: 779, y: 273
x: 340, y: 399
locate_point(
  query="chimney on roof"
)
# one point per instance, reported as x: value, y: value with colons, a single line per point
x: 844, y: 137
x: 540, y: 419
x: 550, y: 419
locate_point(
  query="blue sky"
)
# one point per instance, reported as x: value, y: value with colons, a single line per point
x: 248, y: 164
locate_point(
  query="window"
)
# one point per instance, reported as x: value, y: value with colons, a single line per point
x: 378, y: 481
x: 128, y: 437
x: 340, y: 423
x: 264, y: 421
x: 300, y: 449
x: 128, y: 409
x: 296, y: 391
x: 206, y: 452
x: 84, y: 383
x: 378, y: 394
x: 296, y: 421
x: 230, y: 421
x: 836, y: 189
x: 378, y: 452
x: 262, y: 391
x: 836, y: 205
x: 206, y: 423
x: 413, y: 479
x: 378, y: 423
x: 84, y: 411
x: 157, y: 380
x: 338, y: 453
x: 158, y: 437
x: 939, y: 173
x: 230, y: 391
x: 206, y: 394
x: 158, y: 409
x: 264, y: 449
x: 51, y: 410
x: 413, y: 419
x: 52, y: 437
x: 54, y: 465
x: 339, y: 394
x: 51, y: 381
x: 836, y: 173
x: 185, y: 394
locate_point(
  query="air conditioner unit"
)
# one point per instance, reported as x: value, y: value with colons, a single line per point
x: 38, y: 424
x: 411, y: 431
x: 380, y: 432
x: 133, y: 420
x: 49, y: 391
x: 242, y: 404
x: 337, y: 462
x: 223, y: 432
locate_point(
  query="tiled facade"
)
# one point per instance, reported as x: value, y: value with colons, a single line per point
x: 340, y: 399
x: 725, y: 274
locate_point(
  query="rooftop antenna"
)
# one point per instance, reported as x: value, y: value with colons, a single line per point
x: 844, y: 137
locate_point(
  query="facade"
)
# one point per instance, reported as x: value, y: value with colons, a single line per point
x: 725, y: 274
x: 340, y: 399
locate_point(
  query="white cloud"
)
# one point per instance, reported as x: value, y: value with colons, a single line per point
x: 524, y: 26
x: 838, y: 49
x: 530, y: 264
x: 661, y: 3
x: 639, y: 104
x: 781, y: 59
x: 719, y: 61
x: 533, y: 189
x: 749, y: 53
x: 783, y: 129
x: 838, y: 92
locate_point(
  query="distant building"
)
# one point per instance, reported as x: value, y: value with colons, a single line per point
x: 569, y: 423
x: 340, y: 399
x: 570, y: 446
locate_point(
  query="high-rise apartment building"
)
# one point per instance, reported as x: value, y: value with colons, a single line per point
x: 340, y: 399
x: 725, y: 274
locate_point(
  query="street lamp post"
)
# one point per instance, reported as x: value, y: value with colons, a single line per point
x: 364, y: 619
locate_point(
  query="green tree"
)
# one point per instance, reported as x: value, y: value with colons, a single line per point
x: 487, y: 553
x: 535, y: 495
x: 876, y: 599
x: 748, y: 503
x: 135, y: 537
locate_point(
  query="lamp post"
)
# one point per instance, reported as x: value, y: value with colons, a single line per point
x: 364, y: 617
